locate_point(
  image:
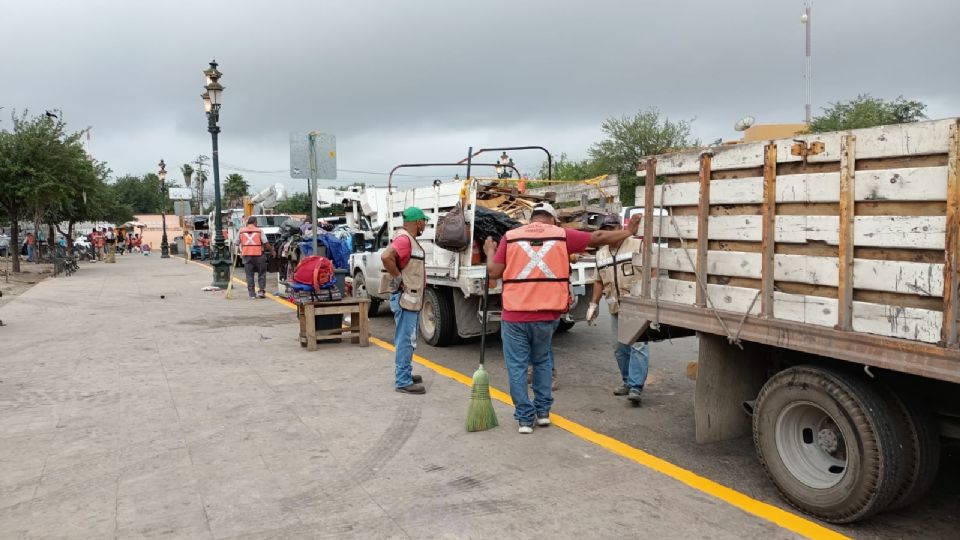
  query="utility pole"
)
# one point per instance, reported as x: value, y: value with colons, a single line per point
x: 200, y: 162
x: 807, y: 63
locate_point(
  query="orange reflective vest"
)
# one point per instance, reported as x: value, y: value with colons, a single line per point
x: 251, y: 241
x: 537, y: 275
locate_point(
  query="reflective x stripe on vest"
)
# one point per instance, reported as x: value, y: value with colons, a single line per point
x: 536, y: 259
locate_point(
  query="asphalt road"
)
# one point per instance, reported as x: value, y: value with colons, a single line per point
x: 664, y: 425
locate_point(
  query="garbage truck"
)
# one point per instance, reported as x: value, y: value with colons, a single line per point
x: 819, y: 273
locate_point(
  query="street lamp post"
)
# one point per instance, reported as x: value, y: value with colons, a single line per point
x: 211, y: 104
x: 164, y: 246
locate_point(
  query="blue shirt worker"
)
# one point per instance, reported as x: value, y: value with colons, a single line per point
x: 403, y: 261
x: 615, y: 278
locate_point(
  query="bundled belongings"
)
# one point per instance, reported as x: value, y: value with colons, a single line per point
x: 314, y: 280
x: 487, y: 222
x: 452, y: 231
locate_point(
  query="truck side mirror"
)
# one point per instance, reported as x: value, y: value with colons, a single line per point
x: 358, y: 242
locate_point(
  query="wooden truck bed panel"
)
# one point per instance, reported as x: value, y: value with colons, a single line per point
x: 858, y: 236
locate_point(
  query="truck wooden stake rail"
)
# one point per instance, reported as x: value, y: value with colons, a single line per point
x: 820, y: 274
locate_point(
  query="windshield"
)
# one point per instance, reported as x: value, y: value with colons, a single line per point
x: 271, y: 221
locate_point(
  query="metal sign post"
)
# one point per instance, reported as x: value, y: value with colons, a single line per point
x: 313, y: 156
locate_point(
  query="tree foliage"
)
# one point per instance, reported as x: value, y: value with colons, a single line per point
x: 235, y: 188
x: 143, y: 194
x: 46, y: 175
x: 866, y: 111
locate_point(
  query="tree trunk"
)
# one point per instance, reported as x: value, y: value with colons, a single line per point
x: 15, y: 243
x: 51, y: 235
x: 68, y: 236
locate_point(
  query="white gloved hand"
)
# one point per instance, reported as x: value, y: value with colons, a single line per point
x: 592, y: 311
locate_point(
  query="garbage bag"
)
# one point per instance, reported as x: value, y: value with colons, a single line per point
x: 487, y: 222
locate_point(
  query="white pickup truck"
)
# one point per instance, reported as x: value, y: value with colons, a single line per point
x: 455, y: 280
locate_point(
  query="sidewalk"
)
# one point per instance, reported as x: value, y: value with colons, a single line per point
x: 126, y: 415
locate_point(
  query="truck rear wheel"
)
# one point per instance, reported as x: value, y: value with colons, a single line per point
x: 828, y: 443
x: 360, y: 291
x: 438, y: 324
x: 921, y: 448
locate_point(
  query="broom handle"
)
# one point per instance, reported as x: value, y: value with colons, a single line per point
x: 483, y: 329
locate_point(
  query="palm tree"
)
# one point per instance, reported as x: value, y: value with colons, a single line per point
x: 187, y: 171
x: 235, y: 188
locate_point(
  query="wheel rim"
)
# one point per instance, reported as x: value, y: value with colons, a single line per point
x: 811, y: 445
x: 428, y: 319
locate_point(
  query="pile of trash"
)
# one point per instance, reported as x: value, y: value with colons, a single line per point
x: 505, y: 198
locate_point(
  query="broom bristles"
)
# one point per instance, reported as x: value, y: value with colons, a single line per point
x: 480, y: 413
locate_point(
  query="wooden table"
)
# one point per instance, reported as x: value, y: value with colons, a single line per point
x: 358, y: 331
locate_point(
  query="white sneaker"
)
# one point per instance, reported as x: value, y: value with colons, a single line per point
x: 525, y: 429
x: 543, y: 421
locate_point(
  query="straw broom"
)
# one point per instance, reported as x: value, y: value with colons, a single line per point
x: 480, y: 413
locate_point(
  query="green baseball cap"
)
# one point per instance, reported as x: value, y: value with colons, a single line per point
x: 414, y: 214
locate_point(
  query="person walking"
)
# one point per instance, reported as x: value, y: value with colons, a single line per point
x: 188, y: 244
x: 252, y: 244
x: 99, y: 241
x: 31, y: 242
x: 403, y: 259
x: 534, y: 262
x: 615, y: 278
x: 204, y: 246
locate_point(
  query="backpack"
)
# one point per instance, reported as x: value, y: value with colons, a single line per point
x: 314, y: 271
x: 452, y: 231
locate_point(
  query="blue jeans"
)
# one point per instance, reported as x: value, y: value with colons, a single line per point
x: 30, y: 250
x: 633, y: 360
x: 529, y: 343
x: 404, y: 340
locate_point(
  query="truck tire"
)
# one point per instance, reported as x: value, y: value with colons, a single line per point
x: 438, y: 324
x: 827, y: 441
x: 565, y: 326
x: 918, y: 431
x: 360, y: 291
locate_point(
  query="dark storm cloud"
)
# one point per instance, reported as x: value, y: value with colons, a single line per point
x: 417, y: 80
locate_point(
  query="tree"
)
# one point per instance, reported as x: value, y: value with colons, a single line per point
x: 187, y: 172
x: 235, y: 188
x: 629, y: 139
x: 38, y: 162
x: 297, y: 203
x: 89, y: 197
x: 867, y: 111
x: 142, y: 194
x: 567, y: 169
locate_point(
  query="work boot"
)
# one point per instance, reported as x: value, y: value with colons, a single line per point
x: 413, y: 389
x: 621, y: 390
x: 634, y: 396
x: 417, y: 379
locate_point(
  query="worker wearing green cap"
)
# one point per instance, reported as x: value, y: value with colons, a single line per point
x: 403, y: 261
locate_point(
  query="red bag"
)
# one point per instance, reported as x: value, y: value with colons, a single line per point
x: 314, y: 271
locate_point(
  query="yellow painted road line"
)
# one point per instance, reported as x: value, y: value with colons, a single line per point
x: 778, y: 516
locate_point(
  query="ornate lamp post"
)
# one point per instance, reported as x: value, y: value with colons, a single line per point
x: 504, y: 172
x: 164, y: 246
x: 211, y: 104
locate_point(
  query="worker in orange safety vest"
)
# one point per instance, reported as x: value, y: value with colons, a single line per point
x: 534, y: 262
x: 252, y: 245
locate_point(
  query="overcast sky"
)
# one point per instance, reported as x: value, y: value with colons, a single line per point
x: 406, y: 81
